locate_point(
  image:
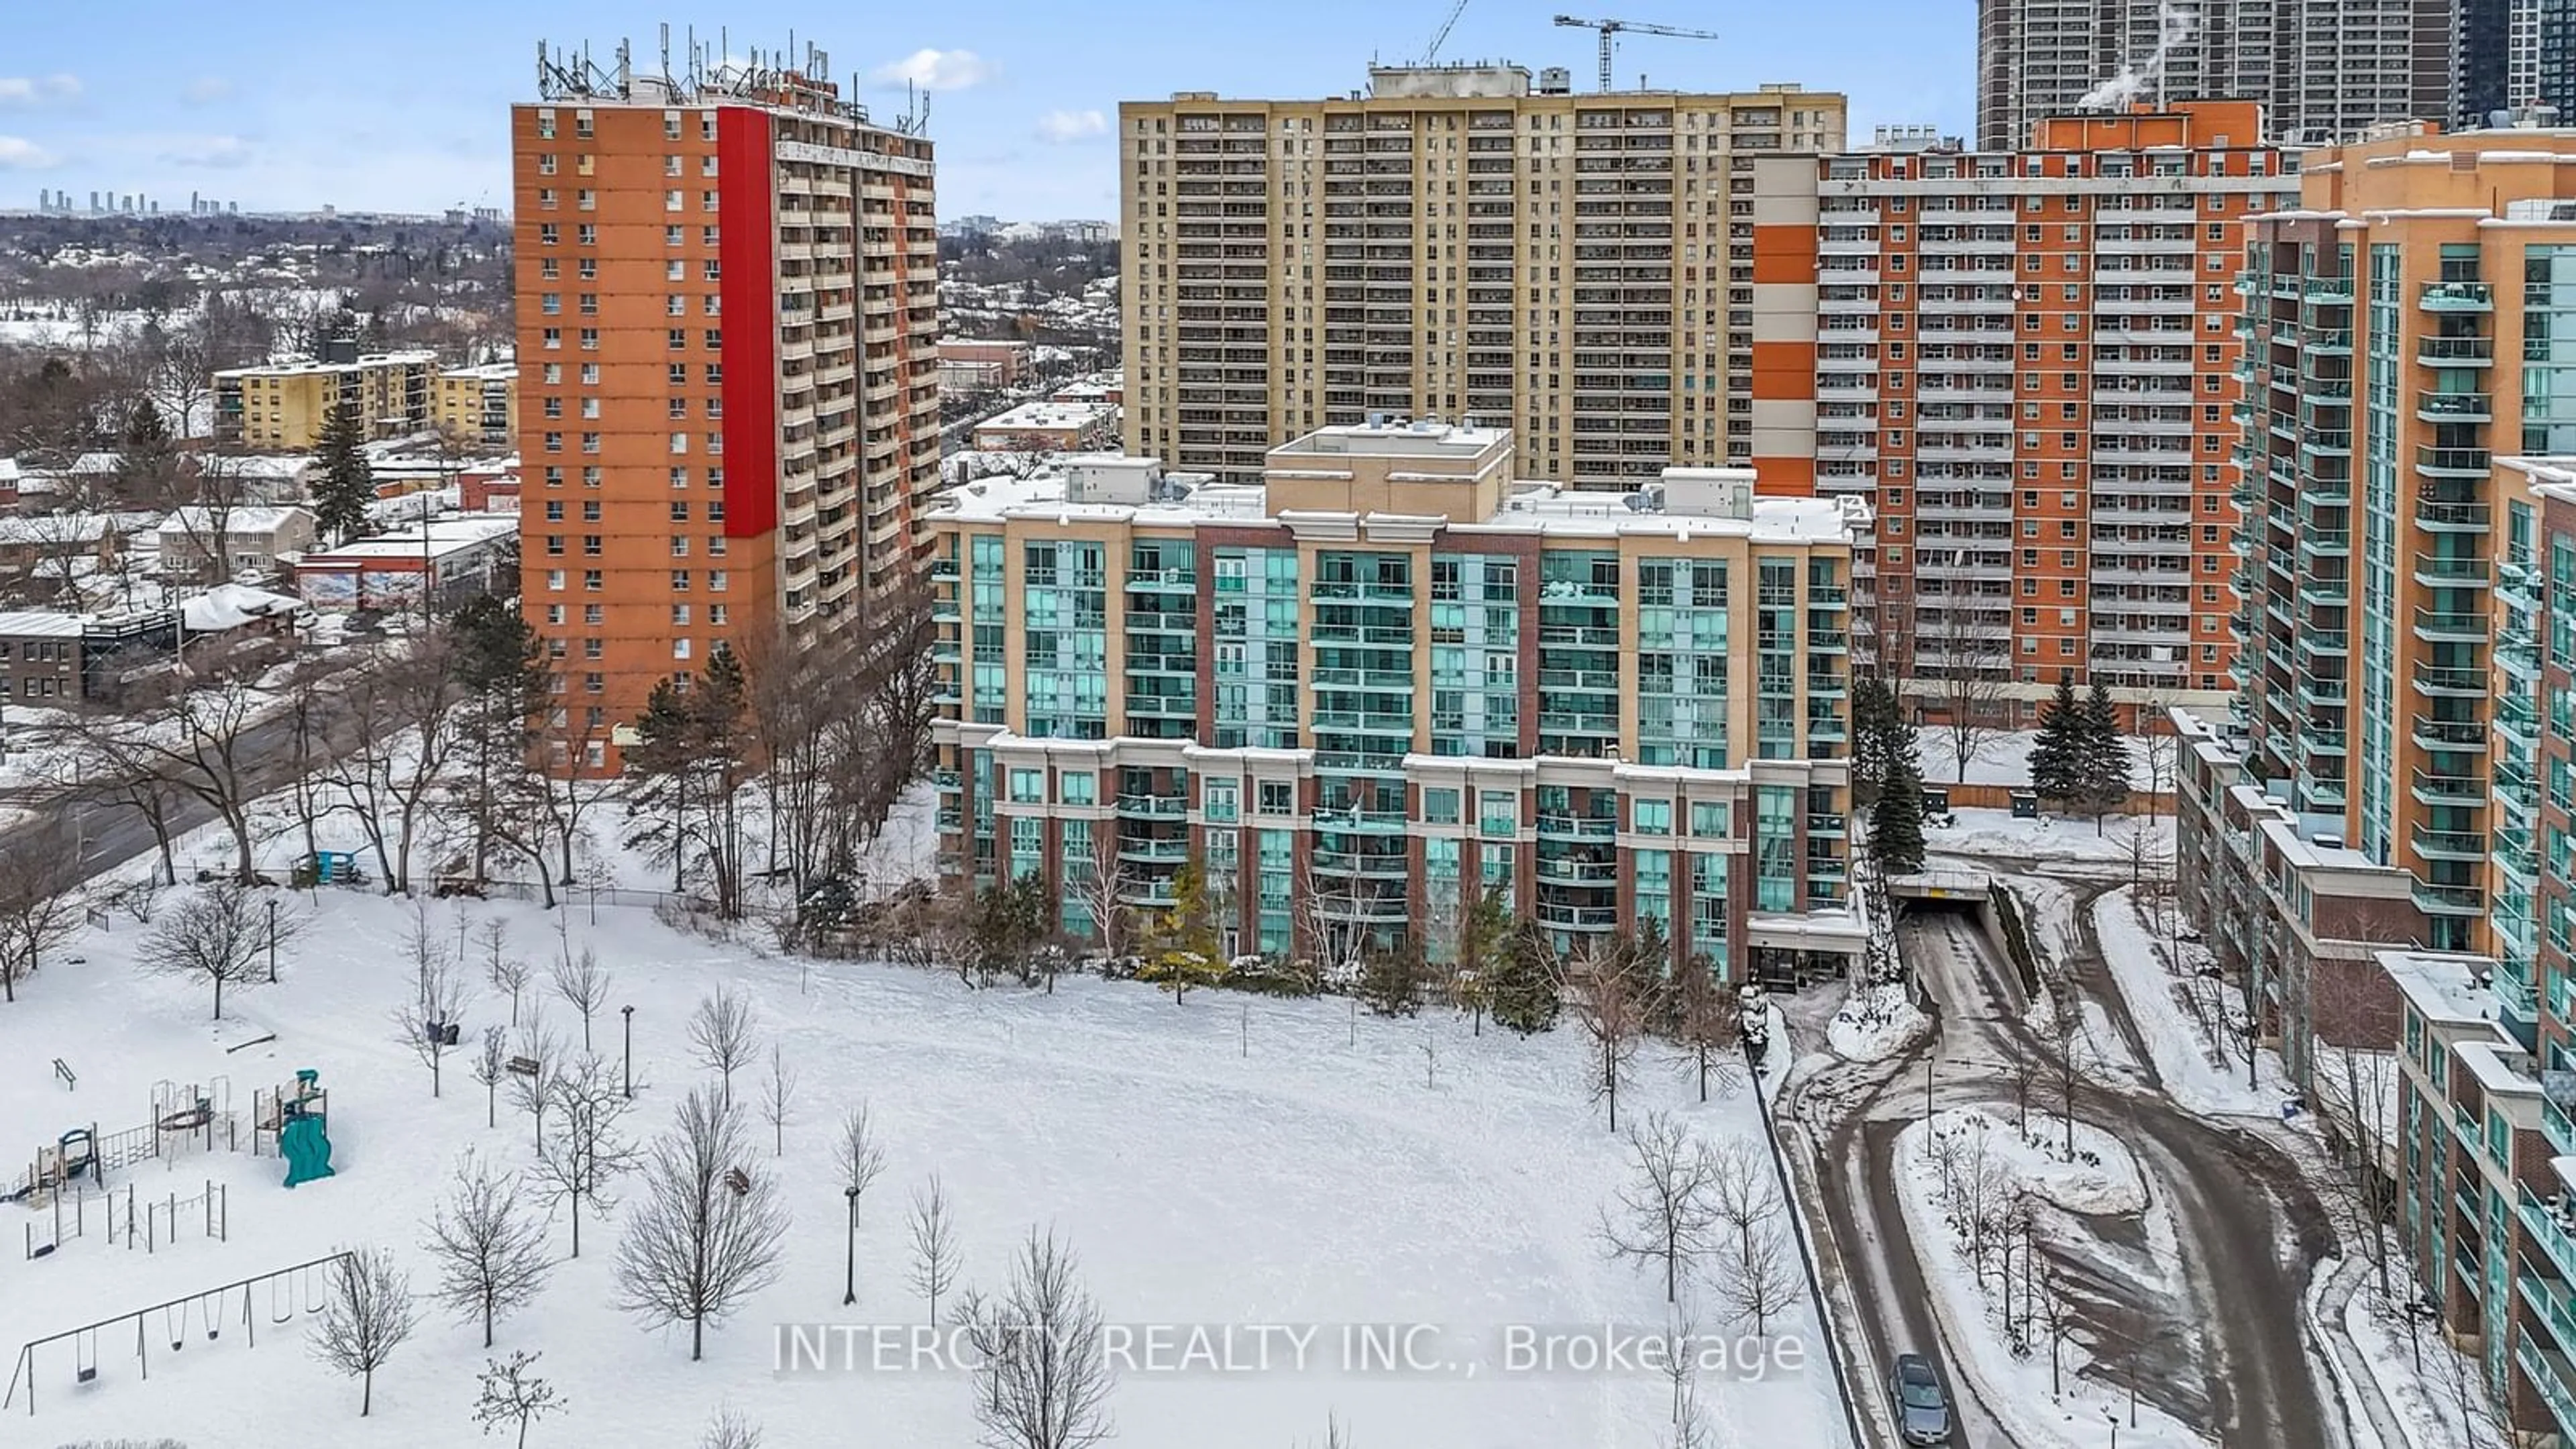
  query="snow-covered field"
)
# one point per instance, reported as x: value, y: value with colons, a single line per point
x: 2051, y: 837
x: 1233, y: 1161
x: 2002, y: 757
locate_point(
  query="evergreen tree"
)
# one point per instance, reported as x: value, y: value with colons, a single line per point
x: 2058, y: 757
x: 1391, y: 980
x: 1522, y: 984
x: 1181, y: 943
x: 1896, y: 823
x: 1876, y: 723
x: 1483, y: 937
x: 2104, y: 781
x: 345, y: 488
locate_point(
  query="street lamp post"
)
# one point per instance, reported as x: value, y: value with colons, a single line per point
x: 850, y: 1278
x: 629, y: 1013
x: 272, y: 940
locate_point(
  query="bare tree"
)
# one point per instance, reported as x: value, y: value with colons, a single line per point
x: 510, y: 1396
x: 2356, y: 1093
x: 1760, y: 1277
x: 706, y: 1233
x: 192, y: 731
x: 40, y: 900
x: 1098, y: 885
x: 508, y: 973
x: 1743, y: 1196
x: 490, y: 1066
x: 1706, y: 1021
x: 427, y: 1024
x: 1043, y: 1373
x: 217, y: 936
x: 582, y: 982
x: 1970, y: 684
x: 778, y: 1098
x: 587, y: 1149
x: 720, y: 1032
x: 2070, y: 1054
x: 730, y: 1429
x: 540, y: 1062
x: 935, y: 1253
x: 403, y: 709
x: 859, y: 1161
x: 366, y: 1315
x: 489, y: 1250
x: 1613, y: 993
x: 1667, y: 1209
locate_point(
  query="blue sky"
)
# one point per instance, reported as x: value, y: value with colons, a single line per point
x: 405, y: 107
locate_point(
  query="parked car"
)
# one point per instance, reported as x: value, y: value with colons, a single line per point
x: 1922, y: 1406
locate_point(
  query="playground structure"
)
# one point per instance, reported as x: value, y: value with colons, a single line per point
x: 198, y: 1114
x: 297, y: 1118
x: 149, y: 1223
x: 290, y: 1292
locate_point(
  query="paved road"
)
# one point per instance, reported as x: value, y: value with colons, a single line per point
x: 2219, y: 1345
x: 111, y: 835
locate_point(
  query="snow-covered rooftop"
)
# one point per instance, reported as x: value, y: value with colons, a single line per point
x: 449, y: 535
x: 194, y: 519
x: 2442, y: 986
x: 1047, y: 417
x: 1551, y: 509
x: 230, y: 606
x: 39, y: 623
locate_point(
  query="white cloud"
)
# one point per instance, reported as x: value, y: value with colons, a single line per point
x: 221, y: 153
x: 206, y: 90
x: 936, y: 70
x: 1064, y: 127
x: 36, y: 90
x: 17, y: 153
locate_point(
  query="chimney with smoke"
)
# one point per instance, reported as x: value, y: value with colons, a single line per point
x: 2176, y: 20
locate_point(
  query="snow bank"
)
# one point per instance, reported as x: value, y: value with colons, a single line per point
x: 2004, y: 759
x: 2042, y: 1410
x: 2175, y: 1035
x: 1878, y: 1021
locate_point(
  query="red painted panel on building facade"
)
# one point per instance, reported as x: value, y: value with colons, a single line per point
x: 746, y: 248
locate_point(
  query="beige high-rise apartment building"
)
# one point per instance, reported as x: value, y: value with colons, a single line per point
x: 1459, y: 243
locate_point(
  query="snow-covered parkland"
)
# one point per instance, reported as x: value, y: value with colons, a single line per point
x: 1229, y: 1161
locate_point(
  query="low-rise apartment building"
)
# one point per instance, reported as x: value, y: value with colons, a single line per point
x: 1048, y: 427
x: 2487, y: 1197
x: 286, y: 404
x: 478, y: 406
x: 1389, y: 677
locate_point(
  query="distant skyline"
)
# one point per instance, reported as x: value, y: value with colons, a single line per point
x: 406, y: 109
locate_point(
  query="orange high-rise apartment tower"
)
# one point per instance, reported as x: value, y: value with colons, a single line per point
x: 2023, y: 360
x: 728, y: 367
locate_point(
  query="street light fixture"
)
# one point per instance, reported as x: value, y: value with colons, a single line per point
x: 850, y: 1276
x: 629, y: 1013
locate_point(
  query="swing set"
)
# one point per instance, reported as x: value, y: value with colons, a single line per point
x: 292, y: 1292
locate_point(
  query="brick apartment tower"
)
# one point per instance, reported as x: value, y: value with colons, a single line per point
x: 728, y: 376
x: 1455, y: 243
x: 2021, y: 357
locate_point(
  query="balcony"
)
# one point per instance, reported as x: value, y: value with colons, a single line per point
x: 2455, y: 351
x: 2461, y: 791
x: 2451, y: 735
x: 2443, y: 571
x: 2435, y: 515
x: 2442, y: 627
x: 1365, y: 822
x: 2435, y: 681
x: 1576, y: 918
x: 2450, y: 900
x: 1154, y: 852
x: 1152, y: 807
x: 2448, y: 844
x: 2454, y: 407
x: 1577, y: 827
x: 2432, y: 462
x: 2457, y: 297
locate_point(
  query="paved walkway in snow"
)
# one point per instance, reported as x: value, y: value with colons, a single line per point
x: 2352, y: 1369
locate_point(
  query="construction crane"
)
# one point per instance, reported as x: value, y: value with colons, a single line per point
x: 1610, y: 29
x: 1440, y: 37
